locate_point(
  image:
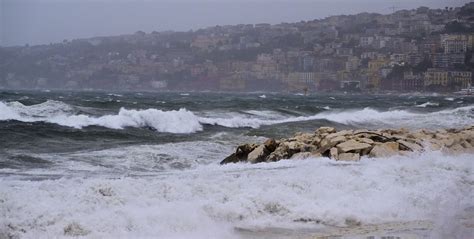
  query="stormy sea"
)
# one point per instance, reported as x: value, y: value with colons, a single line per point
x: 146, y: 165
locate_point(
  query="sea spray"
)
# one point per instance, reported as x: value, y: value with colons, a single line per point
x: 185, y: 121
x: 207, y: 202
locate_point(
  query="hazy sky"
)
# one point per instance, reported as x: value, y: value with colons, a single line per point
x: 45, y: 21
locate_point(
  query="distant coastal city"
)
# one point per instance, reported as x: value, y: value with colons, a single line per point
x: 419, y: 50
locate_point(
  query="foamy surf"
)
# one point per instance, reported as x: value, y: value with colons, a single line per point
x: 210, y: 201
x: 462, y: 116
x: 16, y: 110
x: 183, y: 121
x: 427, y: 104
x: 68, y: 175
x: 175, y: 121
x: 366, y: 117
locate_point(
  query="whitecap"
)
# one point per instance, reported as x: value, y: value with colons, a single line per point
x: 427, y: 104
x: 180, y: 121
x: 210, y: 201
x: 457, y: 117
x: 48, y: 108
x: 184, y: 121
x: 175, y: 121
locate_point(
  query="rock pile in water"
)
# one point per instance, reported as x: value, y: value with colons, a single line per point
x: 351, y: 145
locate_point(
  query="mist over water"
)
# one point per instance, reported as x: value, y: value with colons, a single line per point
x: 59, y: 20
x: 147, y: 165
x: 80, y: 163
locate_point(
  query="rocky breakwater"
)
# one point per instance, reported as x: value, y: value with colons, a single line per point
x: 351, y: 145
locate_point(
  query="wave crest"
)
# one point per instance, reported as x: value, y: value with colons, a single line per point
x: 184, y: 121
x: 428, y: 104
x: 175, y: 121
x: 462, y: 116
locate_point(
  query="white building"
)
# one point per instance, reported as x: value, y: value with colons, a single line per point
x: 366, y: 41
x: 454, y: 46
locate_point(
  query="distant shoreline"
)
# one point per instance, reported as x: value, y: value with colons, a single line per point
x: 335, y: 93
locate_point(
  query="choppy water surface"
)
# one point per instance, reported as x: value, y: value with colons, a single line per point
x: 146, y: 165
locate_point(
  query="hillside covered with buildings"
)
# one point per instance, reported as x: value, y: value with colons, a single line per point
x: 410, y: 50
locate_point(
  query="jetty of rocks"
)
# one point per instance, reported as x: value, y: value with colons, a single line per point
x: 351, y: 145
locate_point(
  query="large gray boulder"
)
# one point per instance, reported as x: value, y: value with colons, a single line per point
x: 350, y: 145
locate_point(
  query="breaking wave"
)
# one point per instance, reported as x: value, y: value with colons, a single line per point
x: 175, y: 121
x: 462, y: 116
x: 184, y: 121
x: 428, y: 104
x: 209, y: 201
x: 16, y: 110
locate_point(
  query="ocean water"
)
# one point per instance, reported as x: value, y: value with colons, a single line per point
x: 146, y: 165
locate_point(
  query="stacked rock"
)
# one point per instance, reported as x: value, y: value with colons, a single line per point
x: 351, y: 145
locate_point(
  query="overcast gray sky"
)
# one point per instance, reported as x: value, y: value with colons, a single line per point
x: 44, y: 21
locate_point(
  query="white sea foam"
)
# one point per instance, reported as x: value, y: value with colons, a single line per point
x: 175, y: 121
x: 462, y: 116
x: 141, y: 159
x: 7, y: 112
x: 180, y: 121
x: 17, y: 111
x: 207, y: 202
x: 184, y: 121
x: 427, y: 104
x: 239, y: 121
x: 46, y: 109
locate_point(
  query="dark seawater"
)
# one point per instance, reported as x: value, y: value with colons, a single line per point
x: 61, y: 122
x: 137, y: 143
